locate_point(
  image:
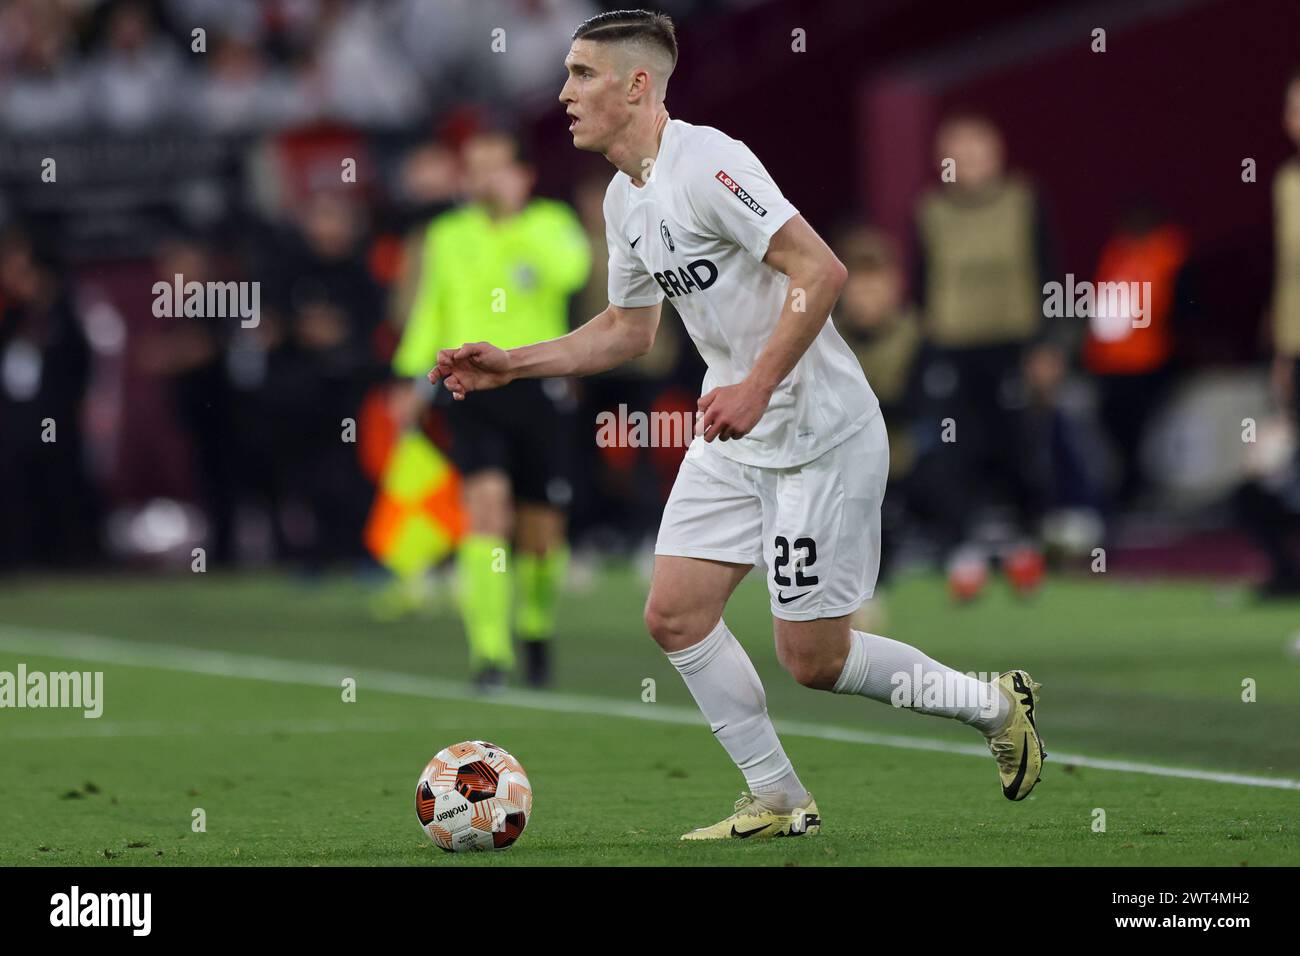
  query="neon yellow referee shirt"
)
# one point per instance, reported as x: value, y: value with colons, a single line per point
x: 506, y: 282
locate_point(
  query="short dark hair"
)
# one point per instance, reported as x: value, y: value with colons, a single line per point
x: 520, y: 148
x: 863, y: 249
x: 656, y: 28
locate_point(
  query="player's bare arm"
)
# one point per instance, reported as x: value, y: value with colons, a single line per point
x: 613, y: 337
x: 816, y: 277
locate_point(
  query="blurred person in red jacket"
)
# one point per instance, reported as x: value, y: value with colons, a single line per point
x: 1131, y: 359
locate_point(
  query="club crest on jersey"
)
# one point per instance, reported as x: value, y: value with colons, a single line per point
x: 739, y: 192
x: 692, y: 277
x: 667, y: 236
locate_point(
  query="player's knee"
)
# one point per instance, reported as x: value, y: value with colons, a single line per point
x: 818, y: 676
x: 817, y: 672
x: 658, y: 621
x: 668, y: 625
x: 486, y: 497
x: 489, y: 516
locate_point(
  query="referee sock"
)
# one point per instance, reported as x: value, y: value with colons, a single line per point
x: 482, y: 565
x: 721, y: 678
x: 538, y: 581
x: 893, y: 672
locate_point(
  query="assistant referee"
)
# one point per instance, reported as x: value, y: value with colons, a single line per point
x: 502, y: 268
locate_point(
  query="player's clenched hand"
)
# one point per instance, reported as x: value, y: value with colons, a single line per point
x: 471, y: 368
x: 731, y: 411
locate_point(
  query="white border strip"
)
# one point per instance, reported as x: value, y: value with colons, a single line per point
x: 110, y: 650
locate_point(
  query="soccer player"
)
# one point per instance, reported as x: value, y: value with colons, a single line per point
x: 503, y: 265
x: 789, y: 465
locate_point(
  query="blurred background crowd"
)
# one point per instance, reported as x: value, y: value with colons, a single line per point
x: 307, y: 144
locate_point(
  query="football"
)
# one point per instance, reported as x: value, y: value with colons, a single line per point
x: 473, y: 796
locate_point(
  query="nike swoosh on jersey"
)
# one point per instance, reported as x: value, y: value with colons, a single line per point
x: 635, y: 241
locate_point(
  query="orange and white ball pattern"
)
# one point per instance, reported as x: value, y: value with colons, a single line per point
x: 473, y: 796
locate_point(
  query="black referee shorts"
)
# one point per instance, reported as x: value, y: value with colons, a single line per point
x: 524, y: 429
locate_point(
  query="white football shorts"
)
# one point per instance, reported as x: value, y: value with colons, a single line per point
x: 815, y: 527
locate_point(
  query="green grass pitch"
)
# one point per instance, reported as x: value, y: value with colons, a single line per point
x: 286, y: 772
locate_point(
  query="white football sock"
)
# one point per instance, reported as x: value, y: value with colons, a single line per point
x: 893, y: 672
x: 722, y: 679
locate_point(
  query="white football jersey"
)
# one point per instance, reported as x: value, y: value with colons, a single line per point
x: 697, y: 232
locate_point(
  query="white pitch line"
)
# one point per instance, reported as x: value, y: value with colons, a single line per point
x: 92, y: 729
x: 111, y: 650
